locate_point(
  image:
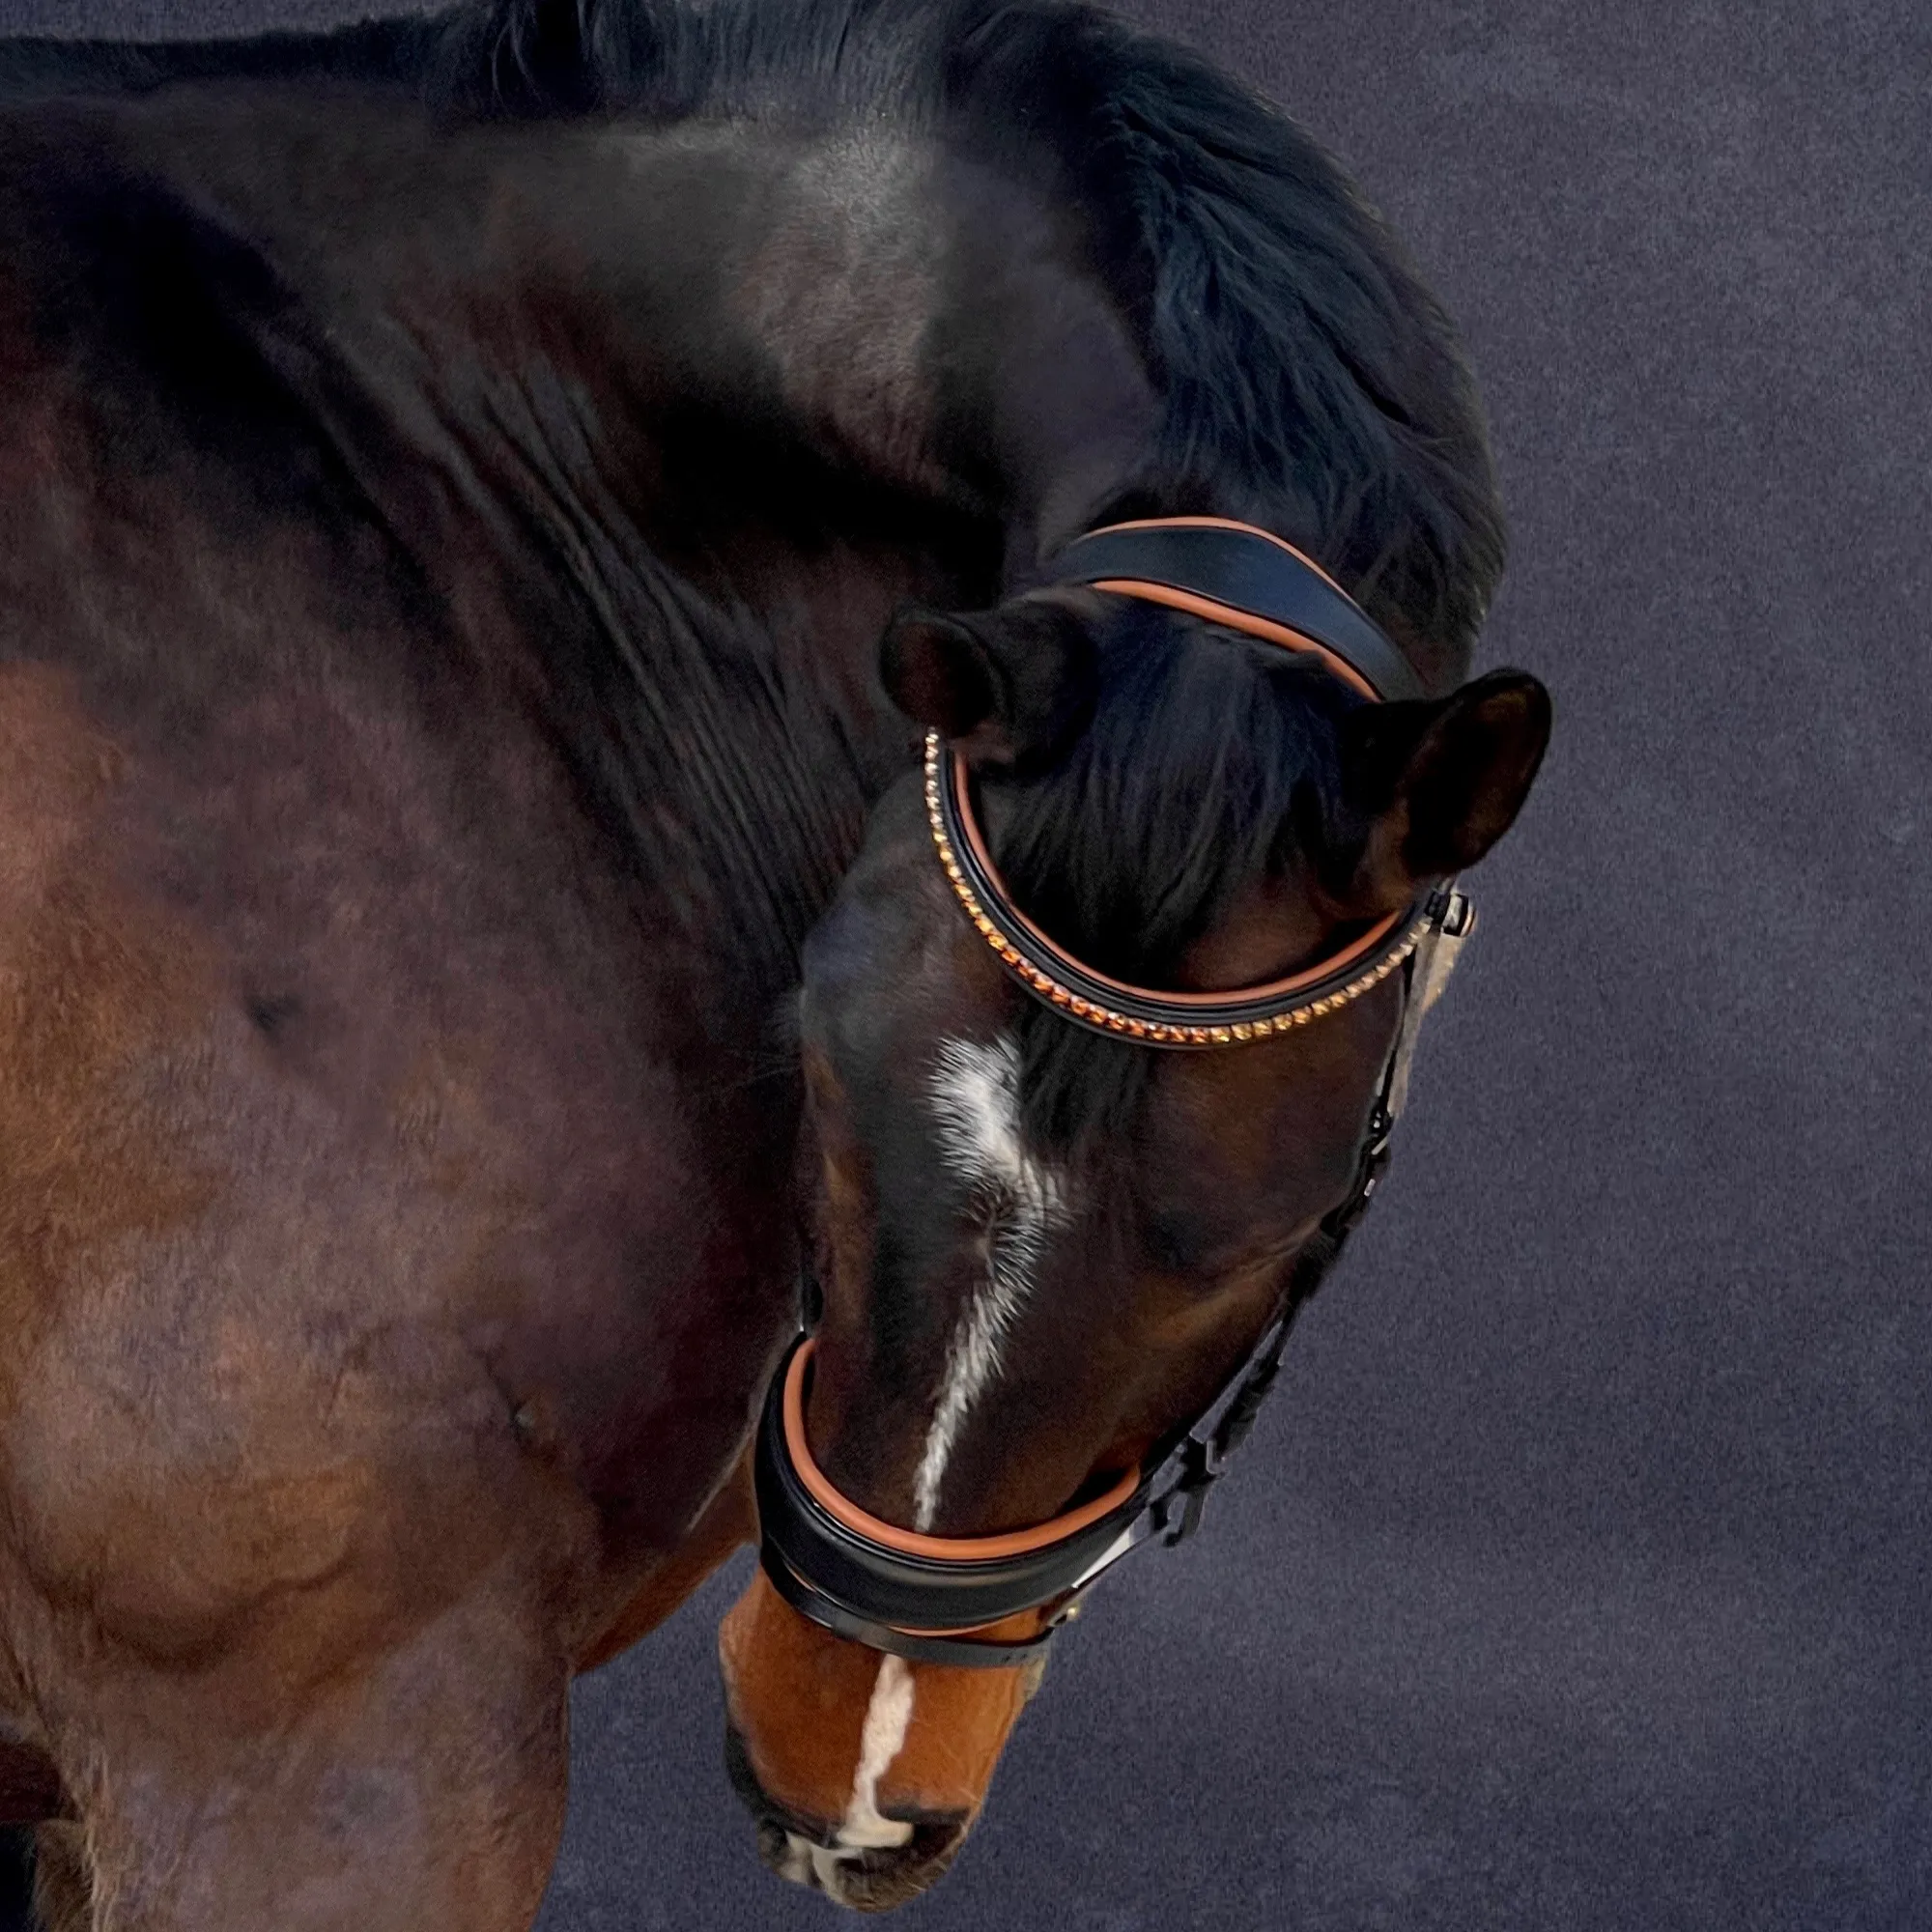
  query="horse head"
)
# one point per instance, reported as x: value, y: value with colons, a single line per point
x: 1046, y: 1238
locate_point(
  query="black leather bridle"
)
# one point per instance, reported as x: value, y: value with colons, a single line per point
x: 931, y: 1599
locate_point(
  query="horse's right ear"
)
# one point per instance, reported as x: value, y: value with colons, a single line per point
x: 1435, y: 785
x: 1004, y: 686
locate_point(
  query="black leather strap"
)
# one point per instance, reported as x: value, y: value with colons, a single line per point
x: 1245, y: 571
x: 889, y: 1587
x: 969, y: 1652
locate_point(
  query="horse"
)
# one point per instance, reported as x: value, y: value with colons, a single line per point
x: 562, y: 805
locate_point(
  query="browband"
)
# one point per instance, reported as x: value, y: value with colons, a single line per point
x: 1250, y: 582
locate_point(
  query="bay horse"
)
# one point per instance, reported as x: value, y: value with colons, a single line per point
x: 558, y: 793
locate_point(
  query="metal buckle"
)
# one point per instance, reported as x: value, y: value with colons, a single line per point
x: 1177, y: 1512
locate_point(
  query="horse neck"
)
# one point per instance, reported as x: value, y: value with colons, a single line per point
x: 682, y: 415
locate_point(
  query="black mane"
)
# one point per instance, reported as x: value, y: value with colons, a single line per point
x: 1311, y: 384
x: 1212, y: 760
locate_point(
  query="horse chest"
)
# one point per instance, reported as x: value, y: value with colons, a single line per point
x: 340, y: 1199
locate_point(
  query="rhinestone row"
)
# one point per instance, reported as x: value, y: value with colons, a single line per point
x: 1106, y: 1018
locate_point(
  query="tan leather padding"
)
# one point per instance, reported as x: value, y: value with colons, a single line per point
x: 798, y: 1696
x: 1231, y: 615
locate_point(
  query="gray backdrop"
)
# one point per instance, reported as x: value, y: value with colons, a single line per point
x: 1576, y: 1578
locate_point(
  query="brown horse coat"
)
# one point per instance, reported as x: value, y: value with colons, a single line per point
x: 445, y: 537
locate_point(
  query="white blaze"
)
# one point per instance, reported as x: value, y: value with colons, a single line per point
x: 975, y: 1098
x: 974, y: 1092
x: 887, y: 1718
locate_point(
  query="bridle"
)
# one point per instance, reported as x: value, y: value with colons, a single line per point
x: 1248, y: 581
x: 931, y: 1599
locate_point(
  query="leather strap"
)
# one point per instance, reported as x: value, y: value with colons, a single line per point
x: 1146, y: 1015
x: 1241, y: 572
x: 1254, y: 583
x: 961, y: 1653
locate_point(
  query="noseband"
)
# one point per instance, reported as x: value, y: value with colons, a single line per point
x: 929, y: 1597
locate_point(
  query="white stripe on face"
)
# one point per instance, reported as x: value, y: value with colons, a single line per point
x: 888, y: 1717
x: 975, y: 1094
x: 974, y: 1098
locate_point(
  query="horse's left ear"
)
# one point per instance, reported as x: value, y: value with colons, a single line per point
x: 1438, y: 781
x: 1001, y: 686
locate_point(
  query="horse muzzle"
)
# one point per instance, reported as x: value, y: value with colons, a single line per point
x: 816, y: 1855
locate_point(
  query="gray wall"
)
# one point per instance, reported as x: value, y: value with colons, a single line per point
x: 1576, y: 1578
